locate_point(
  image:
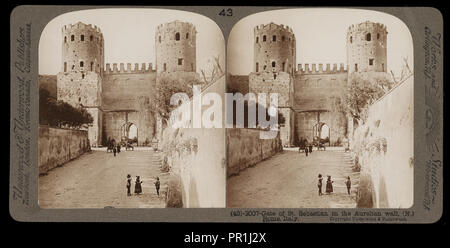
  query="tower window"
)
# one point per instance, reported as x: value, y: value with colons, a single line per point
x: 368, y: 37
x: 257, y: 67
x: 81, y: 63
x: 82, y: 37
x: 264, y: 67
x: 264, y: 38
x: 65, y: 39
x: 370, y: 61
x: 159, y: 38
x: 65, y: 66
x: 187, y: 35
x: 91, y: 38
x: 165, y: 66
x: 257, y: 39
x: 273, y: 63
x: 284, y: 64
x: 274, y: 38
x: 378, y: 36
x: 283, y: 38
x: 382, y: 67
x: 72, y: 37
x: 180, y: 61
x: 79, y: 99
x: 274, y: 76
x: 351, y: 39
x: 82, y: 75
x: 177, y: 36
x: 92, y: 66
x: 356, y: 67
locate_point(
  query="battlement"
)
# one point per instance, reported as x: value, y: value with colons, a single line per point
x: 272, y: 26
x: 145, y: 68
x: 80, y: 25
x: 175, y: 24
x: 319, y: 69
x: 367, y: 25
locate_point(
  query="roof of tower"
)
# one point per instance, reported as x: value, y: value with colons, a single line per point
x: 176, y: 23
x: 273, y: 26
x: 81, y: 25
x: 366, y: 24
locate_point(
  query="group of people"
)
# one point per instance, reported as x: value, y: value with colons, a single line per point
x: 329, y: 185
x: 138, y: 185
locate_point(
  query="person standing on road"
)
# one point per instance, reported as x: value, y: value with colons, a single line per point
x: 118, y: 148
x: 157, y: 184
x: 306, y: 150
x: 349, y: 184
x: 319, y: 184
x: 114, y: 150
x: 329, y: 187
x: 137, y: 185
x: 128, y: 185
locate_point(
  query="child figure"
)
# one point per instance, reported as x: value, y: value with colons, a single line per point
x: 329, y: 188
x: 319, y: 184
x: 128, y: 185
x: 157, y: 184
x: 137, y: 185
x: 349, y: 184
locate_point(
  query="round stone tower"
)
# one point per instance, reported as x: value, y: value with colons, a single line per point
x: 82, y: 49
x: 366, y: 47
x: 274, y: 49
x: 175, y: 47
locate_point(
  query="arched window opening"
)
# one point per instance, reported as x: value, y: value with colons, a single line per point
x: 382, y: 67
x: 368, y: 37
x: 257, y: 67
x: 82, y: 37
x: 159, y: 38
x: 273, y: 64
x: 284, y: 66
x: 187, y: 36
x: 65, y: 66
x: 378, y: 36
x: 72, y: 37
x: 92, y: 66
x: 264, y: 38
x: 274, y: 76
x: 180, y: 61
x: 177, y: 36
x: 257, y: 39
x: 274, y: 38
x: 91, y: 38
x: 370, y: 61
x: 356, y: 67
x: 65, y: 39
x: 351, y: 39
x: 283, y: 38
x: 164, y: 67
x: 81, y: 63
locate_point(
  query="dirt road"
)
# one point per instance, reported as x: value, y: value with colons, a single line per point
x: 98, y: 179
x: 289, y: 180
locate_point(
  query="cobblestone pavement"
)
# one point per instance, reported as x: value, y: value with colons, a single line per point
x: 289, y: 180
x: 98, y: 179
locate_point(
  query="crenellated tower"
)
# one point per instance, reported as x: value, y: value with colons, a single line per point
x: 367, y: 47
x: 79, y: 81
x: 273, y: 71
x: 175, y: 47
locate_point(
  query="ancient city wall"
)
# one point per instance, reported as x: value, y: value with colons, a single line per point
x: 196, y: 157
x: 58, y: 146
x: 384, y: 149
x: 126, y: 97
x: 245, y: 149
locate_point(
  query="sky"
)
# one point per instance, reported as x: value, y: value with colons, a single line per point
x: 320, y: 35
x: 129, y: 36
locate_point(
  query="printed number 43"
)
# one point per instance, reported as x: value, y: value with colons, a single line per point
x: 226, y: 12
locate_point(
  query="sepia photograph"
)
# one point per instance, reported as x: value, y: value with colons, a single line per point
x: 344, y: 82
x: 106, y: 78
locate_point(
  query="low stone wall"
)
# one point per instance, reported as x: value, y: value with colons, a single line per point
x: 384, y: 149
x: 245, y: 149
x: 58, y: 146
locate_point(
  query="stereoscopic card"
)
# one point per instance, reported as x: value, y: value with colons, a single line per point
x: 226, y: 114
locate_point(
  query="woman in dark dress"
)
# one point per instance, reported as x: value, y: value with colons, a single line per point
x: 137, y: 186
x: 129, y: 184
x: 329, y: 188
